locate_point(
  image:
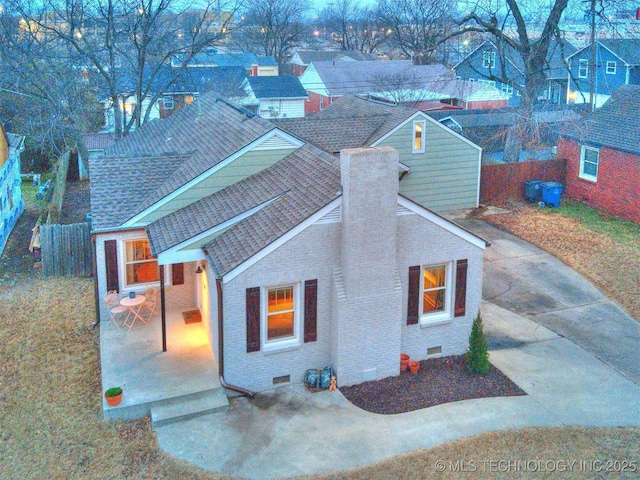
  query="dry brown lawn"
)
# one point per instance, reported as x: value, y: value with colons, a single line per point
x: 51, y: 422
x: 599, y: 247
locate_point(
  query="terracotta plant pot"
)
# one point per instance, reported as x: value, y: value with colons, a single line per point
x: 414, y: 367
x: 113, y: 401
x: 404, y: 362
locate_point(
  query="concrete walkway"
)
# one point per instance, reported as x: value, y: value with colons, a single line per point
x: 571, y: 379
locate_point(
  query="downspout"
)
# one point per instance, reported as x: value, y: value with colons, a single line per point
x: 94, y: 263
x: 225, y: 385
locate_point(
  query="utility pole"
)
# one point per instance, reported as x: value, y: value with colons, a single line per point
x: 592, y: 60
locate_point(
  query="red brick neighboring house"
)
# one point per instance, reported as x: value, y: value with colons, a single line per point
x: 603, y: 156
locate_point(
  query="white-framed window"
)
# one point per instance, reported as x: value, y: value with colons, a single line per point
x: 583, y: 68
x: 281, y: 317
x: 168, y: 103
x: 418, y: 136
x: 487, y: 82
x: 471, y: 79
x: 436, y: 285
x: 140, y: 268
x: 589, y: 160
x: 507, y: 89
x: 611, y: 68
x: 488, y: 59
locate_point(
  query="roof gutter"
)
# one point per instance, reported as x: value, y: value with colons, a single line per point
x: 225, y: 385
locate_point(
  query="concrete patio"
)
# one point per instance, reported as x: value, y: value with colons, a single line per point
x: 134, y: 360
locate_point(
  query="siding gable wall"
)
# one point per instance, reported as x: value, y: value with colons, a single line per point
x: 444, y: 177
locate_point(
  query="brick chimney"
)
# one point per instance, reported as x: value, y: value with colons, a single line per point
x: 367, y: 294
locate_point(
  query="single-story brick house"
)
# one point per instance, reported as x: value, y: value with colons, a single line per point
x: 296, y: 259
x: 603, y: 155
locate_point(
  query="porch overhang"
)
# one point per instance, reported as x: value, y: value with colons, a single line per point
x: 182, y: 256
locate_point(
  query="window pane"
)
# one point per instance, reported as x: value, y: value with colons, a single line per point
x: 433, y: 301
x: 434, y: 277
x: 417, y: 144
x: 280, y: 325
x: 143, y: 272
x: 280, y: 299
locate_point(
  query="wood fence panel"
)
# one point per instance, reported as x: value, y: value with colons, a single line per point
x: 500, y: 183
x: 66, y: 250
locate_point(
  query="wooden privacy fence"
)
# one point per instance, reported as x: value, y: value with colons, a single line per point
x: 66, y: 250
x: 499, y: 183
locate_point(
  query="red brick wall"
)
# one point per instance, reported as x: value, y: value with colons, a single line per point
x: 618, y: 187
x: 486, y: 104
x: 499, y: 183
x: 313, y: 104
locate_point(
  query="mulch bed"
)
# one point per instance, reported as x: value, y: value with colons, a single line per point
x: 439, y: 380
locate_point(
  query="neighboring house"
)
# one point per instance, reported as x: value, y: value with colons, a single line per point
x: 603, y: 155
x: 488, y: 129
x: 307, y: 259
x: 486, y: 62
x: 92, y: 145
x: 11, y: 204
x: 394, y: 81
x: 617, y: 64
x: 440, y: 169
x: 176, y: 91
x: 301, y: 59
x: 275, y: 97
x: 254, y: 65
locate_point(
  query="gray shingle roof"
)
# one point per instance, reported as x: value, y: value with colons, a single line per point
x: 349, y: 122
x: 341, y: 78
x: 308, y: 56
x: 616, y: 124
x: 277, y: 87
x: 301, y: 184
x: 209, y: 131
x: 119, y: 185
x: 628, y: 49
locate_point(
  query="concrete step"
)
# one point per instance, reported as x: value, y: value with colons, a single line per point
x: 188, y: 406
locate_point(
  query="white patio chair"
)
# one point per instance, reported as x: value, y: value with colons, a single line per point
x: 116, y: 311
x: 149, y: 306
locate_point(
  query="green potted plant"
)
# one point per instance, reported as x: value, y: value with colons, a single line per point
x: 113, y: 396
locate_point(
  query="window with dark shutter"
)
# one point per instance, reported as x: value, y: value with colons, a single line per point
x: 310, y: 310
x: 177, y: 274
x: 461, y: 287
x: 253, y: 319
x: 413, y: 303
x: 111, y: 265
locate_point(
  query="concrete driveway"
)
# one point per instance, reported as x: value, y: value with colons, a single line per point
x: 572, y: 374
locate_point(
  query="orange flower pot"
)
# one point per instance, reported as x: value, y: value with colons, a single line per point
x: 414, y: 367
x: 404, y: 362
x: 113, y: 401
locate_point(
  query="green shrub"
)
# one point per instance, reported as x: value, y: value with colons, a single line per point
x: 477, y: 355
x: 113, y: 392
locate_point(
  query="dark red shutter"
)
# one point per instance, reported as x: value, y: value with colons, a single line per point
x: 177, y: 274
x: 310, y: 310
x: 413, y: 303
x: 461, y: 287
x: 111, y: 265
x: 253, y: 319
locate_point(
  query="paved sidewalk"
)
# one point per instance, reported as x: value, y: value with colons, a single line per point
x: 572, y: 350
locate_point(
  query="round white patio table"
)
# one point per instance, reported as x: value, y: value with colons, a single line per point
x: 134, y: 305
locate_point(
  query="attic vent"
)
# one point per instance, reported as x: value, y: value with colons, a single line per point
x: 334, y: 216
x: 403, y: 211
x: 434, y: 351
x: 276, y: 142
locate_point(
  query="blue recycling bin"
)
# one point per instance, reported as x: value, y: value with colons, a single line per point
x: 551, y: 193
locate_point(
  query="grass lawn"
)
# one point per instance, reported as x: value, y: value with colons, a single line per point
x: 603, y: 248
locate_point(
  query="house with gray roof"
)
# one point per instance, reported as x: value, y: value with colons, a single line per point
x: 394, y: 81
x: 603, y: 155
x: 301, y: 59
x: 440, y: 169
x: 294, y: 258
x: 275, y: 97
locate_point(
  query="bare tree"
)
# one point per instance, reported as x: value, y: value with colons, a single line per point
x: 417, y: 27
x: 509, y: 26
x: 353, y: 27
x: 127, y: 42
x: 271, y: 27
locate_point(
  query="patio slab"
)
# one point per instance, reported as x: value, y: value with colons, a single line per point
x: 134, y: 360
